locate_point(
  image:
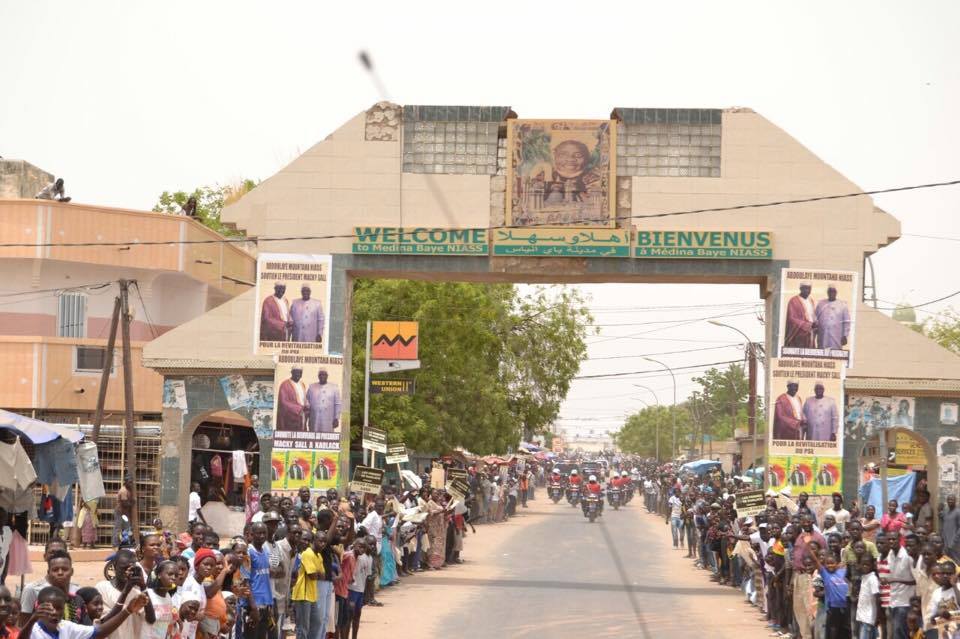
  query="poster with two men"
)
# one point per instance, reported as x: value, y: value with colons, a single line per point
x: 292, y: 324
x: 815, y: 348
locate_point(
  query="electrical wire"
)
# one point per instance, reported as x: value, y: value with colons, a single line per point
x: 686, y: 350
x: 146, y: 313
x: 928, y: 303
x: 302, y: 238
x: 658, y: 370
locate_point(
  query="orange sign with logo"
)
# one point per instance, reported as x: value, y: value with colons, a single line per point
x: 395, y: 340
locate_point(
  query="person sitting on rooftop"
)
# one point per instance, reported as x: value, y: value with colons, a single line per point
x: 53, y: 191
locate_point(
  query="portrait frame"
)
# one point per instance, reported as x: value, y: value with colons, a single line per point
x: 535, y: 199
x: 948, y: 413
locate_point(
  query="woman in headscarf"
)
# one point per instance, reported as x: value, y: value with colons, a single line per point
x: 436, y: 530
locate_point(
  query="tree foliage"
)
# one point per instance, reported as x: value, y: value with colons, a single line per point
x: 716, y: 410
x: 495, y: 364
x: 944, y: 329
x: 210, y: 203
x: 639, y: 433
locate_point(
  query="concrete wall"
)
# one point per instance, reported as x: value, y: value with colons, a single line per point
x: 20, y: 179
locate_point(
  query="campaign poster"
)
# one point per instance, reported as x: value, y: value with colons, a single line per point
x: 777, y: 472
x: 307, y: 412
x: 294, y: 469
x: 806, y: 421
x: 561, y: 173
x: 818, y: 313
x: 866, y: 415
x: 293, y: 303
x: 174, y: 394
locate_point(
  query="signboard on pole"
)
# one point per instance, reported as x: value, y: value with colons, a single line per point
x: 750, y: 502
x: 397, y: 454
x: 437, y: 475
x: 458, y: 489
x: 392, y: 386
x: 367, y: 480
x: 395, y: 340
x: 375, y: 439
x: 457, y: 473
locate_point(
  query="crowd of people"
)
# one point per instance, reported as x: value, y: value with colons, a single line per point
x: 305, y: 565
x: 816, y: 570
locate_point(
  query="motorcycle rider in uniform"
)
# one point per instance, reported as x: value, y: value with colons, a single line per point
x: 592, y: 487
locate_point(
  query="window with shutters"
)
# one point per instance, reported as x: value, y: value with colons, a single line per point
x: 72, y: 315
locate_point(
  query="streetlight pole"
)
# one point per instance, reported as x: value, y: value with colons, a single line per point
x: 673, y: 408
x: 657, y: 400
x: 752, y: 395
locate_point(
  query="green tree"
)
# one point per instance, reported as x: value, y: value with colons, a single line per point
x: 210, y: 202
x: 477, y: 387
x: 944, y: 329
x: 638, y: 435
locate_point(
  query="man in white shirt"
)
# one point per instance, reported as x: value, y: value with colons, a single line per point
x: 193, y: 505
x: 373, y: 522
x: 840, y: 514
x: 902, y: 584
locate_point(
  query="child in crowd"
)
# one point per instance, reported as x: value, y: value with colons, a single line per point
x: 47, y: 620
x: 8, y: 614
x: 835, y: 588
x: 362, y: 576
x: 868, y: 599
x: 160, y: 593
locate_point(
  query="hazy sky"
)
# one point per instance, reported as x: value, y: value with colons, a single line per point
x: 126, y: 99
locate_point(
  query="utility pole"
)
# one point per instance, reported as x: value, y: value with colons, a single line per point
x: 107, y: 367
x: 129, y: 430
x: 752, y: 408
x: 366, y: 390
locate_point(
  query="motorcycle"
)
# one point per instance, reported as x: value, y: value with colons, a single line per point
x: 592, y: 508
x: 556, y: 493
x: 613, y: 497
x: 573, y: 495
x: 627, y: 493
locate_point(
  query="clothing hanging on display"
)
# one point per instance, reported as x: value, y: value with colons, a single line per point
x: 56, y: 462
x: 239, y: 465
x: 16, y: 471
x: 18, y: 558
x: 88, y: 470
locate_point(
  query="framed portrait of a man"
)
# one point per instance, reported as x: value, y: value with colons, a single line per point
x: 948, y: 414
x: 561, y: 173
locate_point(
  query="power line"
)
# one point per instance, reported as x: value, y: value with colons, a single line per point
x: 686, y: 350
x: 928, y: 303
x: 675, y: 368
x: 677, y: 324
x: 146, y: 313
x: 301, y: 238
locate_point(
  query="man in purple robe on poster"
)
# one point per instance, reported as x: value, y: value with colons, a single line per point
x: 820, y: 414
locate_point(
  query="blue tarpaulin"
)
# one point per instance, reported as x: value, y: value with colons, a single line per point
x: 899, y: 488
x: 700, y: 466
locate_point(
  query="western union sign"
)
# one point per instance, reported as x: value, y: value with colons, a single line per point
x: 710, y: 245
x: 419, y: 241
x: 565, y: 242
x: 392, y: 386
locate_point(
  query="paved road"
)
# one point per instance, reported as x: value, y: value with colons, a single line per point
x: 556, y: 575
